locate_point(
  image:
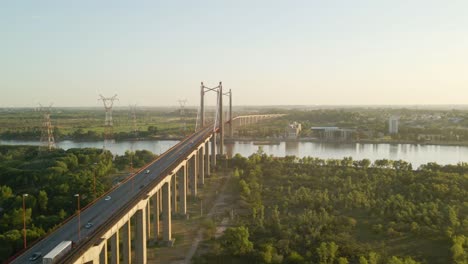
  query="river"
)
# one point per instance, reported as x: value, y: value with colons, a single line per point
x: 413, y: 153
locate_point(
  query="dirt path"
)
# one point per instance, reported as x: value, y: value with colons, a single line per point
x: 219, y: 201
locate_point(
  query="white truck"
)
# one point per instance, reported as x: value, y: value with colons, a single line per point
x: 60, y: 250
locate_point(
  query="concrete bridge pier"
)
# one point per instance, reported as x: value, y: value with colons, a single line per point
x: 115, y: 251
x: 103, y: 253
x: 166, y: 204
x: 213, y: 151
x: 182, y: 174
x: 193, y: 175
x: 140, y: 236
x: 156, y: 214
x: 174, y: 193
x: 127, y: 243
x: 207, y: 158
x: 201, y: 167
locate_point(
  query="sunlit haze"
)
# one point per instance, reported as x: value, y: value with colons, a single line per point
x: 154, y: 53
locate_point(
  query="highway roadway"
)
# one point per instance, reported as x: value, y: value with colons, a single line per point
x: 102, y: 209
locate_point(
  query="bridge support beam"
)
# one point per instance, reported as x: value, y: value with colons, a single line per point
x: 182, y: 174
x: 127, y: 243
x: 115, y: 251
x: 156, y: 214
x: 140, y: 236
x: 166, y: 204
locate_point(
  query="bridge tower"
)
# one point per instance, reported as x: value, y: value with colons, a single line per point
x: 219, y: 111
x: 108, y: 124
x: 47, y: 136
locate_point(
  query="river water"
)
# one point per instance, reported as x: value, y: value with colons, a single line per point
x: 413, y: 153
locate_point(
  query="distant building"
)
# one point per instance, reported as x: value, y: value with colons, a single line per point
x: 333, y: 133
x: 393, y: 125
x: 293, y: 130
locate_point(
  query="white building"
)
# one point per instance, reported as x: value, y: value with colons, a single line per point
x: 293, y: 130
x: 393, y: 125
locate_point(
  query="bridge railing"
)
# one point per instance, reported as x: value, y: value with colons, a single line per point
x: 58, y: 226
x: 117, y: 215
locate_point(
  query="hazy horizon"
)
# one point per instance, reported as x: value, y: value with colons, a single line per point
x: 270, y: 53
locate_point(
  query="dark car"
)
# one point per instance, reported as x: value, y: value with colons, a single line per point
x: 35, y: 256
x: 88, y: 225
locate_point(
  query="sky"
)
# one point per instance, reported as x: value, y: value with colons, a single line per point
x: 154, y: 53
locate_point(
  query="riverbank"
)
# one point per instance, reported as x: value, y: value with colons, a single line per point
x: 275, y: 141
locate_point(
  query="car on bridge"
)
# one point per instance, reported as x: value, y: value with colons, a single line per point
x: 35, y: 256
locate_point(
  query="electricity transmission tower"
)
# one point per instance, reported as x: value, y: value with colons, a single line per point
x: 47, y: 136
x: 182, y: 114
x: 108, y: 125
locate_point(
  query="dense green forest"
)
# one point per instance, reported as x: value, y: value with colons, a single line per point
x: 309, y: 210
x: 51, y: 178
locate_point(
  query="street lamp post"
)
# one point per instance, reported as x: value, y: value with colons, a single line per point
x: 79, y: 216
x: 24, y: 220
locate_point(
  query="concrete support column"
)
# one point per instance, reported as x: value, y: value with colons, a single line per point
x: 160, y: 201
x: 183, y: 189
x: 201, y: 167
x: 103, y: 254
x: 156, y: 214
x: 213, y: 150
x: 140, y: 236
x: 193, y: 175
x: 207, y: 158
x: 166, y: 202
x: 174, y: 193
x: 127, y: 243
x: 115, y: 251
x: 148, y: 219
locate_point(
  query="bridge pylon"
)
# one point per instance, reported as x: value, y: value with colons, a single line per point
x: 219, y: 111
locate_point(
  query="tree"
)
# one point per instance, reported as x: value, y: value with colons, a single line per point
x: 343, y: 260
x: 235, y: 241
x: 458, y: 253
x: 327, y: 252
x: 407, y: 260
x: 42, y: 200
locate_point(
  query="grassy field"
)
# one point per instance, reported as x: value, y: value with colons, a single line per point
x: 67, y: 121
